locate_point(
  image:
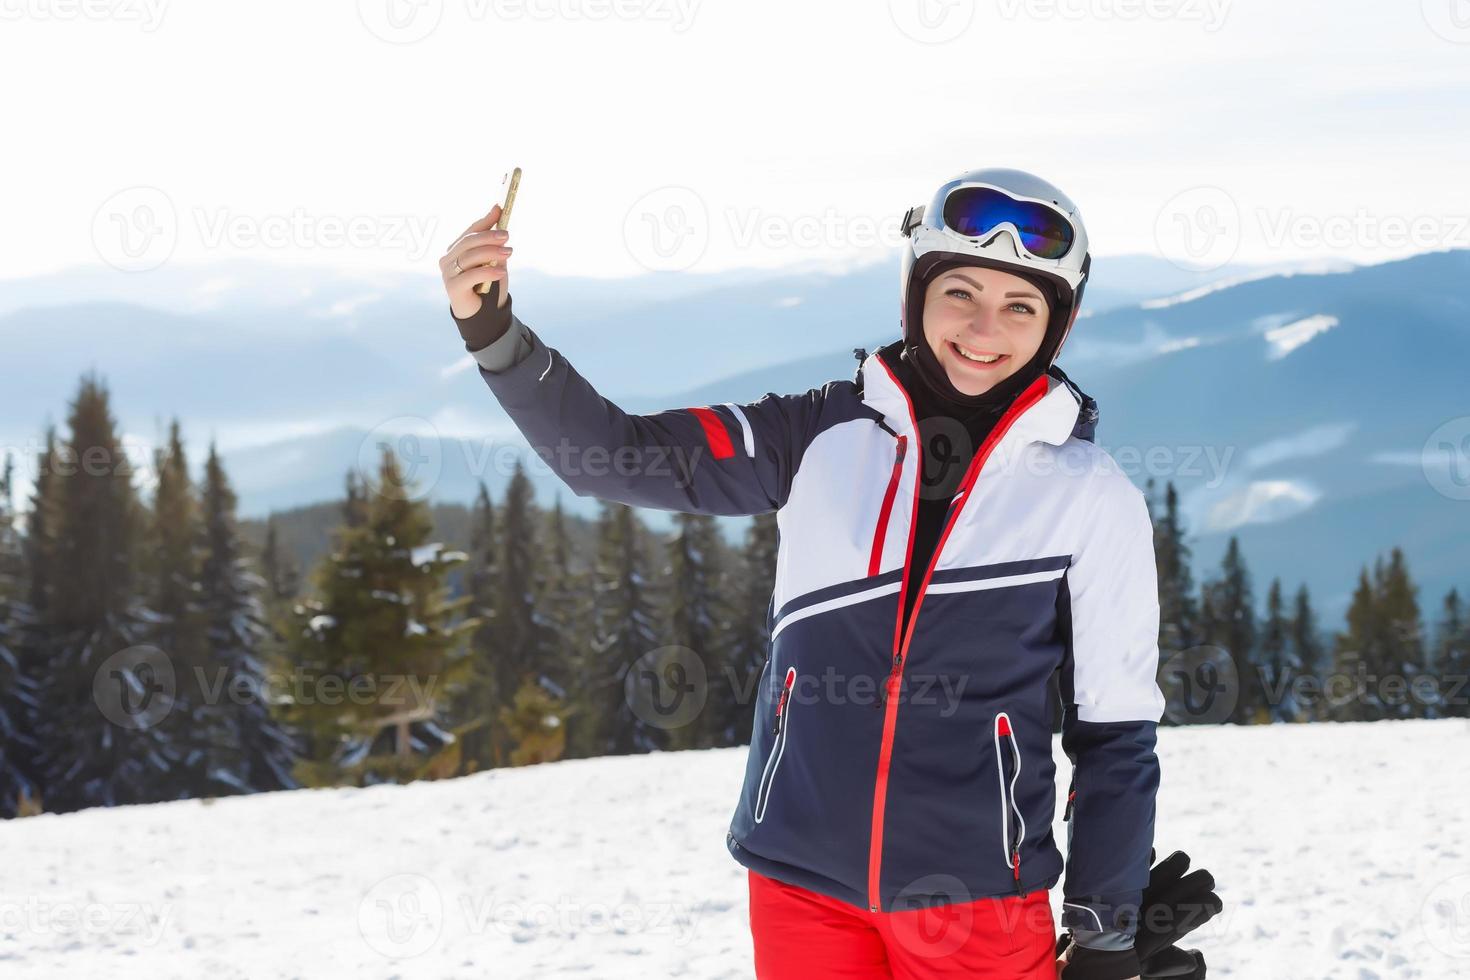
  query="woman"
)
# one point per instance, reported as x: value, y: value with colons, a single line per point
x: 950, y: 537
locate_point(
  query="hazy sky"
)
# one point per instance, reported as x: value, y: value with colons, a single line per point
x: 695, y: 134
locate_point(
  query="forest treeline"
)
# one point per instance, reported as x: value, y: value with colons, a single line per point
x: 154, y: 647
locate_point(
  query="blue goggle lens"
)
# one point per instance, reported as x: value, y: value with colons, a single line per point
x: 976, y: 211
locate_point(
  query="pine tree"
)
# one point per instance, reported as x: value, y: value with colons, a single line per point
x: 519, y: 627
x: 1452, y: 657
x: 33, y: 647
x: 1178, y: 611
x: 101, y: 748
x: 19, y: 789
x: 1307, y: 650
x: 567, y: 616
x: 1354, y: 650
x: 250, y: 749
x: 382, y: 649
x: 624, y: 630
x: 1228, y: 620
x: 1404, y: 675
x: 1278, y: 659
x: 697, y: 618
x: 534, y: 724
x: 356, y: 505
x: 171, y: 564
x: 476, y: 705
x: 282, y: 577
x: 749, y: 642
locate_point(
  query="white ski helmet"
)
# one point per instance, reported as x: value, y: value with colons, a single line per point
x: 1003, y: 219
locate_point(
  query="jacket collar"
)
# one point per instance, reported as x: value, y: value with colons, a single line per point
x: 1063, y: 411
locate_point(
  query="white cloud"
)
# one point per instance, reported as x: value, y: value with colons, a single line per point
x: 1285, y: 339
x: 1315, y: 441
x: 1260, y: 502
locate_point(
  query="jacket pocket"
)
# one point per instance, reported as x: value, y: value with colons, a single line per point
x: 1012, y: 823
x: 773, y: 761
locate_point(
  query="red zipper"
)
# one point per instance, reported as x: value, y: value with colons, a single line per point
x: 780, y: 704
x: 1025, y: 400
x: 881, y: 531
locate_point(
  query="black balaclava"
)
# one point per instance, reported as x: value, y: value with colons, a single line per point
x: 939, y: 395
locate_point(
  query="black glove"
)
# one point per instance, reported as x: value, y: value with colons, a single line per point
x: 1174, y: 904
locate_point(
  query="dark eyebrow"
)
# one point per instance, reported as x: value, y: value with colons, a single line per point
x: 1013, y: 294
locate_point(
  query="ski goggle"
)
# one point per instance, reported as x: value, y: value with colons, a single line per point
x: 975, y: 212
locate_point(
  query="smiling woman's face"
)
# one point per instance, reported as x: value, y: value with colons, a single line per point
x: 972, y: 313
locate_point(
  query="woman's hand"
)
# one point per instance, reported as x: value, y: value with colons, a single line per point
x: 482, y: 254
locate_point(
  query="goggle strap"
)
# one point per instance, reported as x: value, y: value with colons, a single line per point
x: 912, y: 218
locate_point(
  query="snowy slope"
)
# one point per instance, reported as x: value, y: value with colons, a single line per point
x: 1341, y: 851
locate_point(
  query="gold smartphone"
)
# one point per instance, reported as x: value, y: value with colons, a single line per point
x: 512, y: 182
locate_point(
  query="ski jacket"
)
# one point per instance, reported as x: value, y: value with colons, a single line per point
x: 901, y: 771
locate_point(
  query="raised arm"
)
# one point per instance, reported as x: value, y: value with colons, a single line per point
x: 725, y: 459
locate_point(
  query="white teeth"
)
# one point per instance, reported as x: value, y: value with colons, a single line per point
x: 971, y: 357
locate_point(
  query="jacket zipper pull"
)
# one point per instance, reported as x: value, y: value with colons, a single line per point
x: 781, y: 704
x: 1016, y: 865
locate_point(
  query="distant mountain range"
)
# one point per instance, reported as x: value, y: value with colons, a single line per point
x: 1290, y: 405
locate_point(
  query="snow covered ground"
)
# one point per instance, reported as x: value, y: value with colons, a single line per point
x: 1341, y: 851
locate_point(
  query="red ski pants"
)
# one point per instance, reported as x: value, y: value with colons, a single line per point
x: 802, y: 935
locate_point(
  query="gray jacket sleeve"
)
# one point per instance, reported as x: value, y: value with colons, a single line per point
x: 723, y: 459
